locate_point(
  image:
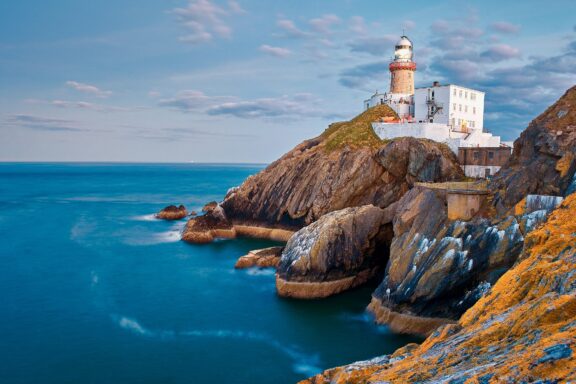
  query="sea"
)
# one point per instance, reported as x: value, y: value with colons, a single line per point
x: 94, y: 289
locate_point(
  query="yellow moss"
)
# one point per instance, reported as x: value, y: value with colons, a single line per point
x: 563, y: 165
x: 520, y: 208
x: 532, y: 307
x: 357, y: 132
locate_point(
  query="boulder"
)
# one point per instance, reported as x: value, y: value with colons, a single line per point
x: 204, y: 229
x: 172, y: 212
x: 341, y: 250
x: 261, y: 258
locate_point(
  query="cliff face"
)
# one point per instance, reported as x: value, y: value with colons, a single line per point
x: 544, y: 157
x: 523, y: 330
x: 347, y: 166
x: 341, y: 250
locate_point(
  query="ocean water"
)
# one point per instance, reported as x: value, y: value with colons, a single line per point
x: 95, y: 290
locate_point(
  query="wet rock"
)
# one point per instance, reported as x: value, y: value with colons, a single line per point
x: 341, y: 250
x: 204, y: 229
x: 209, y: 206
x: 262, y: 258
x: 521, y: 331
x: 172, y: 212
x: 437, y: 266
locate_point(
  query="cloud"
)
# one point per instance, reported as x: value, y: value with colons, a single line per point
x: 42, y: 123
x: 192, y: 100
x: 505, y: 27
x: 500, y: 52
x: 78, y: 105
x: 275, y: 51
x: 203, y: 20
x: 408, y: 25
x: 290, y: 29
x: 89, y: 89
x: 292, y: 107
x: 361, y: 76
x: 358, y: 25
x: 376, y: 46
x: 324, y: 23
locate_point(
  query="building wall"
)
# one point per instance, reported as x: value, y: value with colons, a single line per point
x: 480, y: 171
x: 463, y: 108
x: 466, y: 109
x: 402, y: 81
x: 387, y: 131
x: 401, y: 103
x: 484, y: 156
x: 463, y: 206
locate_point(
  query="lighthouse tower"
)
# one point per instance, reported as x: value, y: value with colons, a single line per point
x: 402, y: 68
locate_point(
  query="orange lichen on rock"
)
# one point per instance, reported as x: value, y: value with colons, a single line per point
x: 524, y: 330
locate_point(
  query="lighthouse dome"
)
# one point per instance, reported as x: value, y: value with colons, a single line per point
x: 403, y: 49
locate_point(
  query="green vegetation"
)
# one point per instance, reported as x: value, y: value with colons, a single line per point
x: 357, y: 132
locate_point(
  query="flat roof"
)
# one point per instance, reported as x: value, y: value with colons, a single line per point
x: 449, y: 85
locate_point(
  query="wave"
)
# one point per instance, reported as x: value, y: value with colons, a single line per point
x: 149, y: 217
x: 302, y: 363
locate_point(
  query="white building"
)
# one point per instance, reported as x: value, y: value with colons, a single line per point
x: 450, y: 113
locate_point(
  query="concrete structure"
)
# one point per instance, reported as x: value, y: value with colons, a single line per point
x: 483, y: 161
x: 464, y: 204
x: 450, y: 114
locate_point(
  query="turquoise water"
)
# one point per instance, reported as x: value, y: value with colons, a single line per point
x: 94, y: 290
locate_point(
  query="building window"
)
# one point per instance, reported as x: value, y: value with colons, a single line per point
x: 466, y: 94
x: 490, y: 155
x: 453, y: 122
x: 474, y: 110
x: 476, y: 155
x: 460, y: 94
x: 454, y: 106
x: 460, y: 107
x: 472, y: 96
x: 465, y: 108
x: 454, y: 93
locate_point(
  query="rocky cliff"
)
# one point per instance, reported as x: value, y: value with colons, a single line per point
x: 544, y: 157
x: 346, y: 166
x: 522, y: 331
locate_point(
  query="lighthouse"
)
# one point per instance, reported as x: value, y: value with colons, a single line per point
x: 400, y: 97
x: 402, y: 68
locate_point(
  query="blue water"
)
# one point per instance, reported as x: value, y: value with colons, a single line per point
x: 94, y: 290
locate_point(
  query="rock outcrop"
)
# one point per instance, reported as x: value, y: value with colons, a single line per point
x: 346, y: 166
x: 523, y: 330
x: 172, y: 212
x: 438, y: 268
x: 341, y: 250
x: 261, y: 258
x: 544, y: 157
x: 214, y: 224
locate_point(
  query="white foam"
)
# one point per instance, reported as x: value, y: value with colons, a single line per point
x: 149, y: 217
x: 302, y: 363
x: 261, y: 271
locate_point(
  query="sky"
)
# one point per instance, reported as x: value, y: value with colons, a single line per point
x: 247, y: 80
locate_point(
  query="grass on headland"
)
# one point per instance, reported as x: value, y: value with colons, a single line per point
x: 357, y: 132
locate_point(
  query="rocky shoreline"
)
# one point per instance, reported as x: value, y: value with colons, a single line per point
x: 352, y: 208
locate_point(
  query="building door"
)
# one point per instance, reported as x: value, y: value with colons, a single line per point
x: 487, y: 172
